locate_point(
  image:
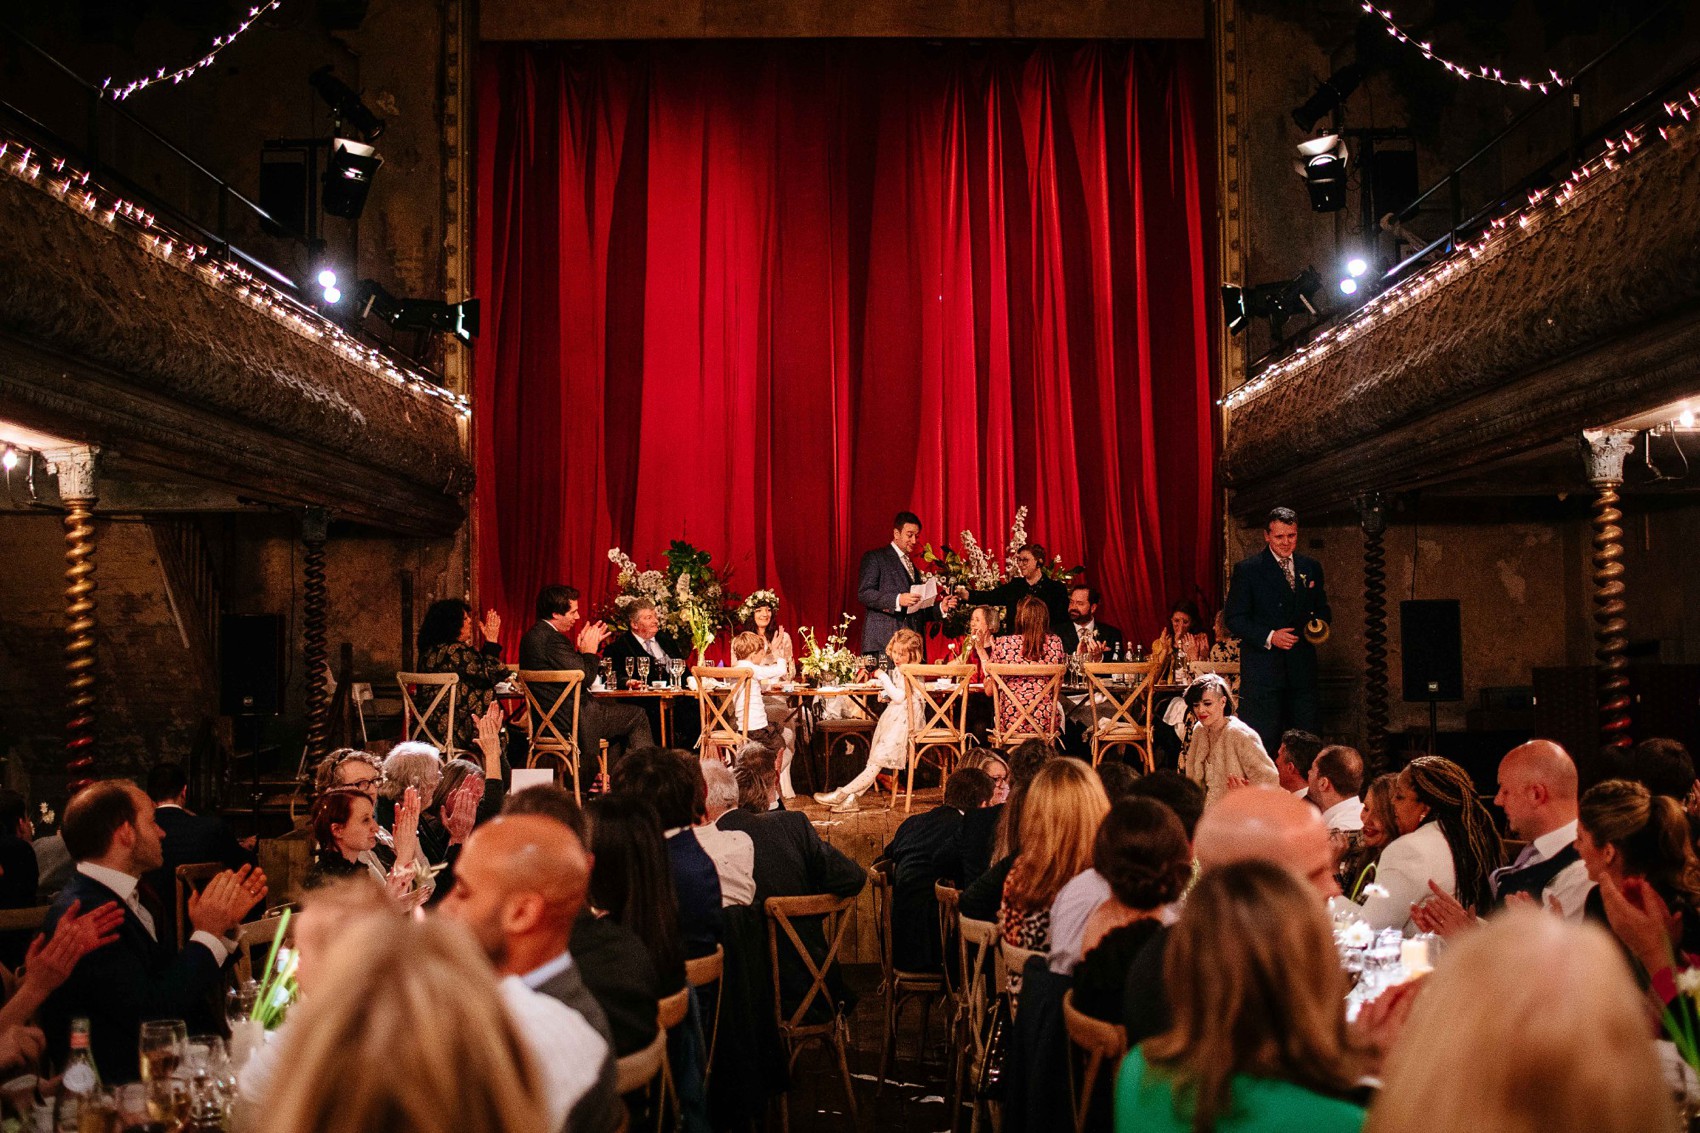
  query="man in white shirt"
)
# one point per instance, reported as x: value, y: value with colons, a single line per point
x: 519, y: 884
x: 1293, y: 759
x: 1336, y: 777
x: 733, y: 852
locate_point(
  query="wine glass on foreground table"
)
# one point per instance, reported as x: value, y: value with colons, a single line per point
x: 161, y: 1048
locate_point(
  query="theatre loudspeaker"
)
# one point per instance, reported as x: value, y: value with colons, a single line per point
x: 1432, y: 649
x: 250, y: 664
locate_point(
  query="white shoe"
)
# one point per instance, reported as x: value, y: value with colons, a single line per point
x: 829, y: 798
x: 847, y: 806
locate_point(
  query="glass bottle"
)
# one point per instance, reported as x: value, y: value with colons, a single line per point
x: 80, y: 1082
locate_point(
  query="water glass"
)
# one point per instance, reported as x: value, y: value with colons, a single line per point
x: 677, y: 668
x: 161, y: 1048
x: 643, y: 670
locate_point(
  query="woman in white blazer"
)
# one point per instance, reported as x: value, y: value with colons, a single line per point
x: 1446, y: 836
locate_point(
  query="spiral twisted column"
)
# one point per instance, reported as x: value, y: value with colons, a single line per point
x: 1605, y: 453
x: 75, y: 469
x: 314, y: 652
x: 1372, y: 516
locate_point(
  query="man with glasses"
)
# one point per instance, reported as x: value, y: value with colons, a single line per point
x: 350, y: 769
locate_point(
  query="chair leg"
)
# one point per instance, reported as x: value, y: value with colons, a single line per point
x: 841, y: 1041
x: 888, y: 1040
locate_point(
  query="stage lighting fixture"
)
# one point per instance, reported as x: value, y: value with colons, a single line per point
x: 1276, y: 302
x: 1349, y: 286
x: 459, y: 319
x: 1330, y: 93
x: 1233, y: 307
x: 327, y: 278
x: 1356, y: 266
x: 1322, y: 163
x: 10, y: 459
x: 345, y: 104
x: 329, y: 292
x: 348, y: 177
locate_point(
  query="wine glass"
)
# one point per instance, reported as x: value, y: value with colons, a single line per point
x: 161, y: 1048
x: 677, y: 668
x: 608, y: 672
x: 212, y: 1084
x: 247, y: 1034
x: 643, y: 670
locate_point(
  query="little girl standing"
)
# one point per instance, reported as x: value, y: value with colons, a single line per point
x: 890, y: 747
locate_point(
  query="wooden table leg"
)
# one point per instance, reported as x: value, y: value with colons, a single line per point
x: 666, y: 710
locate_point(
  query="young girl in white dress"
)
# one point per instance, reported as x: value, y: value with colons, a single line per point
x: 890, y: 747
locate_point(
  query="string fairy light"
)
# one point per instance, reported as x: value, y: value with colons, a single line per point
x: 1482, y: 74
x: 81, y: 193
x: 120, y: 93
x: 1539, y: 206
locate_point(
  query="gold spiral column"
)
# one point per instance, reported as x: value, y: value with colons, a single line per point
x: 315, y: 525
x: 75, y: 468
x: 1605, y: 453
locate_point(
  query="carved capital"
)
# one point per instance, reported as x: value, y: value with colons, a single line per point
x: 315, y: 524
x: 1604, y: 453
x: 75, y: 468
x: 1372, y: 513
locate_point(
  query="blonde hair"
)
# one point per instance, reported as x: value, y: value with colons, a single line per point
x: 1529, y: 1025
x: 428, y: 1048
x: 1255, y: 987
x: 1060, y: 816
x: 910, y: 643
x: 747, y: 644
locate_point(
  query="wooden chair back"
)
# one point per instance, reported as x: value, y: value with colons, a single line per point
x: 554, y: 726
x: 252, y: 937
x: 671, y: 1010
x: 1228, y: 670
x: 937, y: 696
x: 1120, y: 694
x: 782, y: 912
x: 1028, y: 723
x: 1012, y: 961
x: 880, y: 876
x: 191, y: 878
x: 24, y: 920
x: 700, y: 971
x: 641, y: 1067
x: 416, y: 723
x: 977, y: 947
x: 1099, y: 1042
x: 723, y: 696
x: 948, y: 898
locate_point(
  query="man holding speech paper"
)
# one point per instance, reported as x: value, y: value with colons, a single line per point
x: 896, y: 595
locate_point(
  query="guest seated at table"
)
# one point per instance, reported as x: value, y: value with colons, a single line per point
x: 983, y: 624
x: 1226, y: 648
x: 467, y: 796
x: 410, y: 764
x: 670, y: 785
x: 189, y: 839
x: 554, y: 645
x: 110, y: 832
x: 1293, y: 759
x: 747, y: 653
x: 1105, y: 641
x: 1532, y: 1023
x: 446, y: 645
x: 1259, y: 1038
x: 889, y: 749
x: 645, y: 641
x: 632, y: 881
x: 969, y: 852
x: 732, y: 852
x: 1183, y: 639
x: 351, y: 769
x: 442, y: 1015
x: 612, y: 959
x: 1361, y: 857
x: 1623, y: 832
x: 345, y: 830
x: 1224, y: 750
x: 1059, y: 820
x: 1032, y: 643
x: 913, y: 853
x: 1446, y: 837
x: 983, y: 893
x: 1143, y: 854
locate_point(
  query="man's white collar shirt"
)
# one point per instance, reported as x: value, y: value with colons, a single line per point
x: 1345, y: 816
x: 1571, y: 885
x: 125, y: 887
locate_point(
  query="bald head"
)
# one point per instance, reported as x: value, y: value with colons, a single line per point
x: 1267, y: 824
x: 520, y: 883
x: 1537, y: 789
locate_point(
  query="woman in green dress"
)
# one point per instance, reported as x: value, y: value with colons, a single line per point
x: 1259, y: 1042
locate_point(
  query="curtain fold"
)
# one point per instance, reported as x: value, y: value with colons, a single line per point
x: 762, y: 295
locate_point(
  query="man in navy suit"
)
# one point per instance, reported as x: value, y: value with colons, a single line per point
x: 1271, y: 597
x: 883, y: 587
x: 110, y: 831
x: 189, y: 839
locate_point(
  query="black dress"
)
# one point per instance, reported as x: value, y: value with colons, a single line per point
x: 1100, y: 979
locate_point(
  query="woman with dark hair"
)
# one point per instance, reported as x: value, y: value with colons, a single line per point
x: 1183, y: 637
x: 1446, y: 837
x: 671, y: 782
x: 1625, y: 831
x: 1032, y: 643
x: 1141, y: 849
x: 631, y: 881
x: 1224, y: 750
x: 445, y: 645
x: 983, y: 892
x: 345, y: 831
x: 1259, y: 1038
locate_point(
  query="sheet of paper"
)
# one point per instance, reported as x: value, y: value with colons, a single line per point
x: 523, y: 777
x: 928, y: 592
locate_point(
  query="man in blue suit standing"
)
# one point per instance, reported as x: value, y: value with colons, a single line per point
x: 1272, y: 597
x: 883, y: 587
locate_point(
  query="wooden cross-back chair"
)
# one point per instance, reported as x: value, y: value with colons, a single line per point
x: 723, y: 696
x: 254, y: 939
x: 700, y: 972
x: 189, y: 878
x: 549, y: 739
x: 938, y: 719
x: 899, y: 985
x: 1026, y: 725
x: 416, y: 724
x: 976, y: 949
x: 1099, y: 1042
x: 794, y: 1027
x: 1120, y: 694
x: 1227, y: 670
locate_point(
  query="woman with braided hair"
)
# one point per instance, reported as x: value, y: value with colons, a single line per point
x: 1445, y: 836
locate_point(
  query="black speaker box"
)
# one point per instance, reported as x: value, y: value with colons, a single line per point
x: 1432, y: 649
x: 250, y: 664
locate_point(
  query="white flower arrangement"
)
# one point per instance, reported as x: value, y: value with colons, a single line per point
x: 832, y: 663
x: 1017, y: 540
x: 756, y: 601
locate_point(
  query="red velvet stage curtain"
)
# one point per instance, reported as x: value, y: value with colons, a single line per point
x: 761, y: 295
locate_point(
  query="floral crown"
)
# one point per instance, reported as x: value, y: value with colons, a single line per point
x: 756, y: 601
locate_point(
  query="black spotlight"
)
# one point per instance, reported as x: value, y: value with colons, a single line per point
x: 459, y: 319
x: 348, y: 177
x: 1322, y: 163
x: 1330, y: 93
x: 1234, y: 308
x: 1276, y: 302
x: 345, y: 104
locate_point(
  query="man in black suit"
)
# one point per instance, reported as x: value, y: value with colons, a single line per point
x: 520, y: 885
x: 190, y: 839
x: 913, y: 853
x: 110, y: 831
x: 1083, y: 617
x: 883, y: 583
x: 547, y: 645
x: 1271, y: 597
x: 1030, y: 579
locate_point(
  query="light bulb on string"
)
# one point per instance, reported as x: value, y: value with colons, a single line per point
x: 119, y: 92
x: 1483, y: 73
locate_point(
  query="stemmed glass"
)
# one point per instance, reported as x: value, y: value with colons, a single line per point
x: 677, y: 668
x: 161, y: 1048
x: 608, y: 673
x: 643, y: 670
x: 247, y: 1034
